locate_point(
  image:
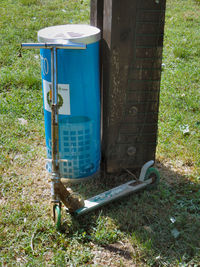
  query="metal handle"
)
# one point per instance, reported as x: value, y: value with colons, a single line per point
x: 64, y: 44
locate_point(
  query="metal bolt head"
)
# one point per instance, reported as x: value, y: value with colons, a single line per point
x: 131, y: 150
x: 133, y: 110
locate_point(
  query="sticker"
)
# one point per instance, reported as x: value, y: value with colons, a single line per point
x: 63, y: 97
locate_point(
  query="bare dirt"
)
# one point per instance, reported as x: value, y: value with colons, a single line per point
x: 118, y: 254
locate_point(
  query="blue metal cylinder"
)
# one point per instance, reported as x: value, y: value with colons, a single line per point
x: 78, y: 99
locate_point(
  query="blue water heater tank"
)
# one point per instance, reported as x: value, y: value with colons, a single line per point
x: 78, y: 99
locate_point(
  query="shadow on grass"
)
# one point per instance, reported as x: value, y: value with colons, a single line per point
x: 162, y: 224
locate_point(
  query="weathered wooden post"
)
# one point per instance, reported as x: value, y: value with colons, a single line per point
x: 132, y: 32
x: 96, y: 13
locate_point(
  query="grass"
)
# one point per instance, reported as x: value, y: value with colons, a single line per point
x: 180, y: 94
x: 151, y: 228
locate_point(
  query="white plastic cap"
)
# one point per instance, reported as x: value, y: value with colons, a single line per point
x: 78, y: 33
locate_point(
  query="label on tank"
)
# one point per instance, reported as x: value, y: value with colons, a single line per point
x: 63, y: 97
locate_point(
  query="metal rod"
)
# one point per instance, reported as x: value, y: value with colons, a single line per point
x: 54, y: 76
x: 54, y: 113
x: 65, y: 45
x: 54, y: 126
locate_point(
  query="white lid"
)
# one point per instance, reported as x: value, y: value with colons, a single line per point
x: 77, y: 33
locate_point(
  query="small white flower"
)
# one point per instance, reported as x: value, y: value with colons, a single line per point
x: 172, y: 219
x: 184, y: 129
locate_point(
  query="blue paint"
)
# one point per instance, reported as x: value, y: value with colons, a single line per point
x: 79, y: 132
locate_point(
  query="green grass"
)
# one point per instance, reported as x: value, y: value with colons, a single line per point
x: 180, y: 92
x: 148, y: 221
